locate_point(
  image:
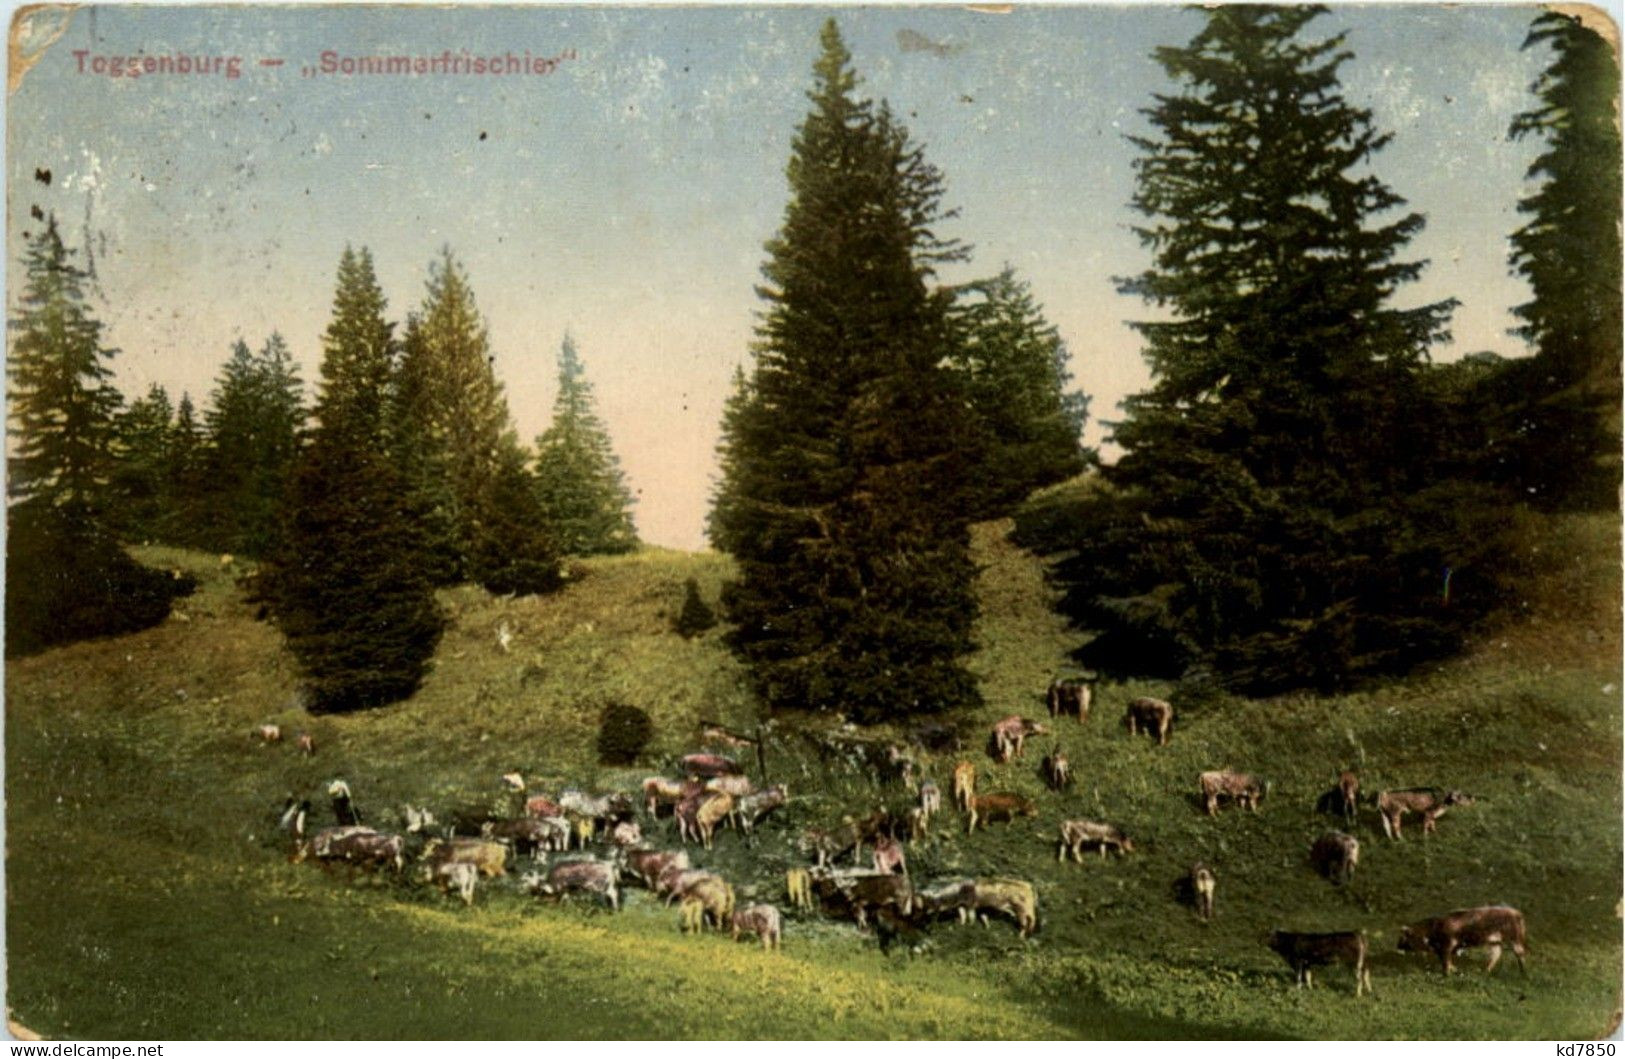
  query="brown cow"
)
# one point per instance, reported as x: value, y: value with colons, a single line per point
x: 1305, y: 952
x: 1335, y: 856
x: 763, y: 921
x: 1070, y: 697
x: 1427, y: 802
x: 658, y: 791
x: 709, y: 898
x: 646, y: 865
x: 879, y: 891
x: 578, y: 876
x: 887, y: 856
x: 1154, y: 715
x: 1057, y: 770
x: 1013, y: 897
x: 1076, y: 833
x: 1000, y: 805
x: 1202, y: 887
x: 1009, y: 737
x: 711, y: 812
x: 1491, y: 926
x: 306, y: 743
x: 1245, y: 790
x: 489, y: 857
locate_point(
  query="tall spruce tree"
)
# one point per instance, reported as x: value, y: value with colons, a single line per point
x: 1016, y: 375
x: 845, y: 491
x: 578, y: 476
x: 730, y: 491
x: 139, y: 481
x: 1274, y: 522
x: 1554, y: 422
x: 67, y: 576
x: 348, y: 581
x: 253, y: 424
x: 455, y: 438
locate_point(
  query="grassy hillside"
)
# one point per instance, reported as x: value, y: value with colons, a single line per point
x: 148, y: 895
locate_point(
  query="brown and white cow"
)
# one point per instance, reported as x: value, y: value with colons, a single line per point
x: 887, y: 856
x: 527, y: 835
x: 1009, y: 736
x: 1154, y: 716
x: 1304, y: 952
x: 761, y: 920
x: 736, y: 786
x: 1070, y: 697
x: 709, y: 898
x: 712, y: 811
x: 1335, y: 855
x: 1057, y: 770
x: 866, y: 893
x: 1490, y: 927
x: 459, y: 876
x: 1243, y: 789
x: 1001, y: 805
x: 355, y: 845
x: 646, y: 865
x: 752, y: 808
x: 1075, y: 834
x: 945, y: 896
x: 488, y: 856
x: 578, y: 876
x: 1427, y: 802
x: 659, y: 791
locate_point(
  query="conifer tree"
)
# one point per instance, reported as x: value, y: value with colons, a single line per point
x: 1016, y: 375
x: 1275, y: 520
x: 729, y: 494
x: 348, y: 583
x: 578, y: 477
x: 845, y: 500
x: 454, y: 437
x: 139, y: 483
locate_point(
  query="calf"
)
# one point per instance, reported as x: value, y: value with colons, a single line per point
x: 1001, y: 805
x: 1155, y: 716
x: 1057, y: 770
x: 964, y: 786
x: 1012, y: 897
x: 459, y: 875
x: 1202, y: 886
x: 1245, y: 790
x: 1070, y: 697
x: 489, y: 857
x: 1491, y: 927
x: 578, y: 876
x: 761, y: 920
x: 1009, y: 737
x: 1335, y: 856
x: 1427, y: 802
x: 1304, y: 952
x: 887, y: 856
x: 711, y: 898
x: 647, y: 865
x: 827, y: 845
x: 798, y: 886
x: 1075, y: 834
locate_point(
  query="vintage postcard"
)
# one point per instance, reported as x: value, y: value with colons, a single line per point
x: 813, y: 522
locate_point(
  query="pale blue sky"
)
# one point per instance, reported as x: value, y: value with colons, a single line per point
x: 627, y: 196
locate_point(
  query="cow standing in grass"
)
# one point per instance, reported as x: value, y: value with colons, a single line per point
x: 1445, y: 936
x: 1245, y: 790
x: 1335, y: 856
x: 1426, y: 802
x: 1075, y: 834
x: 1069, y: 698
x: 1202, y: 885
x: 964, y: 786
x: 1304, y: 952
x: 1153, y: 716
x: 1000, y: 805
x: 763, y: 921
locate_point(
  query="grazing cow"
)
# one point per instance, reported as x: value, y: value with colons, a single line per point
x: 1012, y: 897
x: 1155, y: 716
x: 1000, y: 805
x: 489, y: 857
x: 1342, y: 800
x: 736, y: 786
x: 763, y: 921
x: 887, y: 856
x: 270, y: 733
x: 1427, y: 802
x: 1202, y: 886
x: 878, y: 891
x: 1335, y: 856
x: 647, y: 865
x: 1492, y: 927
x: 357, y: 846
x: 1304, y: 952
x: 343, y: 808
x: 930, y: 799
x: 713, y: 810
x: 1241, y: 788
x: 752, y: 808
x: 798, y: 887
x: 626, y: 834
x: 1057, y: 770
x: 306, y: 744
x: 708, y: 898
x: 458, y: 874
x: 1070, y: 697
x: 1075, y: 834
x: 708, y: 766
x: 1008, y: 738
x: 964, y: 787
x: 956, y: 896
x: 578, y: 876
x: 540, y: 805
x: 527, y: 835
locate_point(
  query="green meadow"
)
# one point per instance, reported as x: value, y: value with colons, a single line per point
x: 151, y: 896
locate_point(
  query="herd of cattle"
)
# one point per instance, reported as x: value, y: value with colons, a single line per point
x: 713, y: 792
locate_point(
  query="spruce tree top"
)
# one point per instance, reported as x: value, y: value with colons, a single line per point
x: 358, y: 350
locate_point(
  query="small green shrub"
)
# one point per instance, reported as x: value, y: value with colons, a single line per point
x: 622, y: 734
x: 696, y: 617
